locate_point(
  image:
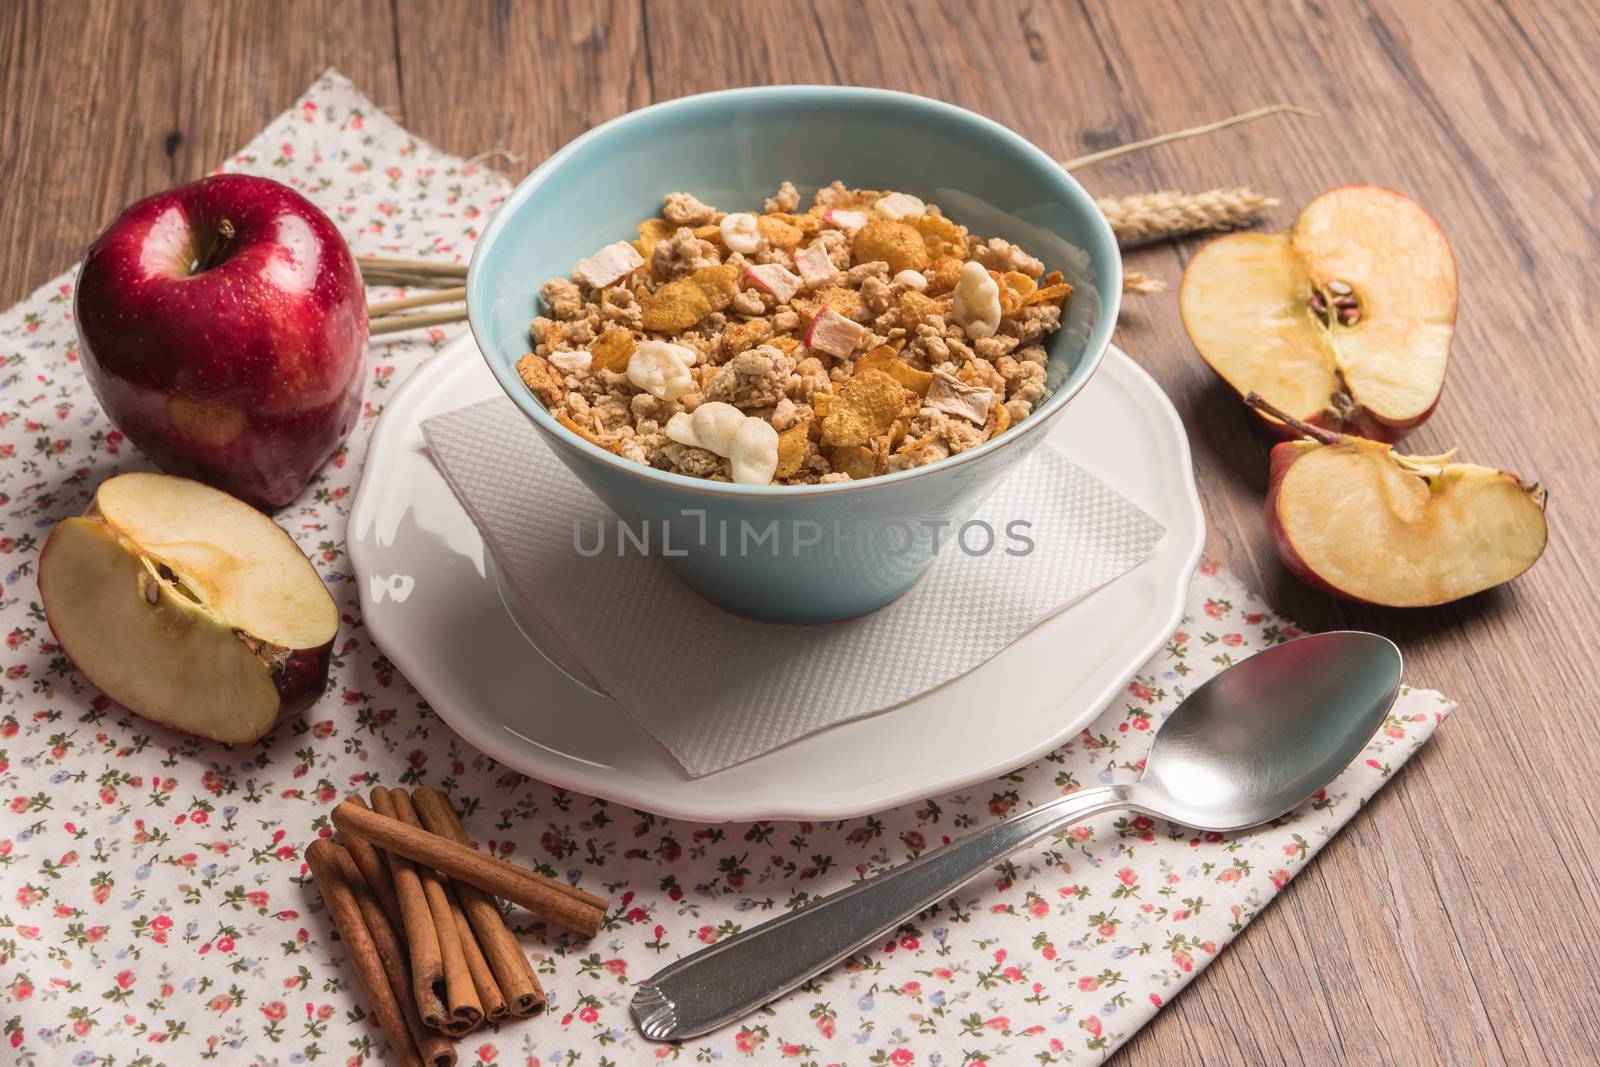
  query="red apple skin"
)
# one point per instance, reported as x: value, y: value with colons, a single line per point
x: 1283, y: 457
x: 302, y: 679
x: 245, y: 373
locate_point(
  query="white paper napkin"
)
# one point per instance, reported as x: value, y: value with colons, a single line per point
x: 716, y: 689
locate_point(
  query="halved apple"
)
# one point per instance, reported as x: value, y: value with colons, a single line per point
x: 189, y: 607
x: 1344, y: 322
x: 1353, y: 517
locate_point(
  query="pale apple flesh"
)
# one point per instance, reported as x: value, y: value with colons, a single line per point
x: 1343, y: 322
x: 188, y: 607
x: 1358, y: 520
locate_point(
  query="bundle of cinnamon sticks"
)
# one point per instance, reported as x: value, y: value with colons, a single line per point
x: 415, y: 905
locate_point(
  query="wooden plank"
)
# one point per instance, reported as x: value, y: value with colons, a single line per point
x: 1451, y: 922
x: 104, y: 103
x: 522, y: 78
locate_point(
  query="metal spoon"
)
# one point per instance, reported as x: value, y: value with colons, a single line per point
x: 1243, y: 749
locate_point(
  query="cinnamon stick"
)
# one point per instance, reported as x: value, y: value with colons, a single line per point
x: 422, y: 939
x: 482, y: 975
x: 556, y: 901
x: 523, y: 994
x: 435, y: 1048
x: 460, y: 996
x: 375, y: 873
x: 346, y: 916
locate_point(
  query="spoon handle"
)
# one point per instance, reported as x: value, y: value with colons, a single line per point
x: 715, y: 986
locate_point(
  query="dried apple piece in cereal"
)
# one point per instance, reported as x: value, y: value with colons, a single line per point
x: 542, y: 379
x: 898, y: 244
x: 858, y: 461
x: 887, y: 360
x: 779, y: 230
x: 793, y: 445
x: 866, y: 407
x: 674, y: 307
x: 941, y: 236
x: 612, y: 350
x: 651, y: 233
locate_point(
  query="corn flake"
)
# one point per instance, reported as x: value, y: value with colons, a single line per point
x: 780, y: 230
x: 612, y: 350
x: 720, y: 284
x: 999, y: 418
x: 679, y: 305
x: 793, y: 444
x: 543, y: 379
x: 674, y: 307
x: 898, y: 244
x: 858, y: 461
x: 866, y: 407
x: 1050, y: 294
x: 651, y: 233
x: 887, y: 360
x: 847, y: 302
x: 942, y: 275
x: 917, y: 309
x: 586, y: 434
x: 941, y: 236
x: 738, y: 336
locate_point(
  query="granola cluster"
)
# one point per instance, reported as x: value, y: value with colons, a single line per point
x: 865, y: 335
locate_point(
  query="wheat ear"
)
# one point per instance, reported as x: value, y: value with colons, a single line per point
x: 1147, y: 217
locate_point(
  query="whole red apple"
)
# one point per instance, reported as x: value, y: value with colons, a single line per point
x: 223, y: 326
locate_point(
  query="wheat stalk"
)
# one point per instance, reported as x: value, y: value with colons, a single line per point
x: 1183, y: 135
x: 1152, y: 216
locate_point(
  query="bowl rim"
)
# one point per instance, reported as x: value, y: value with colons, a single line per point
x: 1094, y: 350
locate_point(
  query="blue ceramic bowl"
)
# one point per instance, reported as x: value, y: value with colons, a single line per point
x: 796, y: 553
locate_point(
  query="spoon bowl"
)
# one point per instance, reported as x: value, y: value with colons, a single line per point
x: 1259, y: 738
x: 1244, y: 748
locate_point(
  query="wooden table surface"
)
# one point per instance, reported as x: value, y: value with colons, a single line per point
x: 1456, y: 921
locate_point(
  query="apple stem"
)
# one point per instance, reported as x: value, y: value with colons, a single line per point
x: 1316, y: 433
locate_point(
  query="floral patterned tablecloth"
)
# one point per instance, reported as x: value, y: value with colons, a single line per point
x: 154, y: 908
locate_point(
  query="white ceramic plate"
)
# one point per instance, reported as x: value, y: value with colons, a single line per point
x: 454, y: 637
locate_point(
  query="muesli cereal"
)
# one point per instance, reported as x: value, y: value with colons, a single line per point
x: 866, y: 335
